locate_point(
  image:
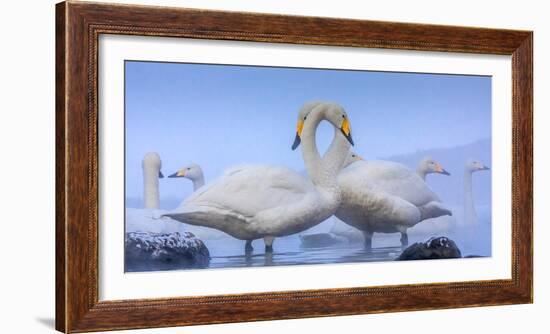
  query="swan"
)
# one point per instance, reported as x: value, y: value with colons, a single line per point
x: 143, y: 219
x: 428, y: 166
x: 351, y: 158
x: 261, y: 201
x: 192, y: 172
x: 470, y: 216
x: 151, y: 166
x: 385, y: 196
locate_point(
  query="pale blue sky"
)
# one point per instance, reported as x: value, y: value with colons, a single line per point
x: 219, y: 116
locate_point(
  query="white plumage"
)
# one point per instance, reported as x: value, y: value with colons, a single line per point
x: 387, y: 197
x: 252, y: 202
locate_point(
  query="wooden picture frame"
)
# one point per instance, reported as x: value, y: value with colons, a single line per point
x: 78, y: 26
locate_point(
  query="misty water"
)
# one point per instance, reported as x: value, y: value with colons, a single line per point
x: 229, y: 252
x: 471, y: 239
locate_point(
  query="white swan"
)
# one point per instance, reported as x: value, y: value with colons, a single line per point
x: 143, y: 219
x: 253, y: 202
x: 428, y: 166
x: 387, y: 197
x: 151, y: 166
x: 192, y: 172
x: 470, y: 216
x: 351, y: 158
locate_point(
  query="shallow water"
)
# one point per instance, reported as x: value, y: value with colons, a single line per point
x: 288, y: 252
x: 229, y: 252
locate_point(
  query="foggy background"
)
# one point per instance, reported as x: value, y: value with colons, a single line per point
x: 219, y: 116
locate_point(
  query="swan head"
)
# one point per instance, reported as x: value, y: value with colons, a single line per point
x: 191, y: 171
x: 331, y: 112
x: 351, y: 158
x: 151, y: 161
x: 429, y: 165
x: 473, y: 165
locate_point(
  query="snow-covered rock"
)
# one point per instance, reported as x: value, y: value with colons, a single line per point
x: 434, y: 248
x: 148, y: 251
x: 148, y: 220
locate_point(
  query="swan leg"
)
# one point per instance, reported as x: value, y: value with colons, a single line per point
x: 269, y: 244
x: 404, y: 239
x: 248, y: 247
x: 368, y: 240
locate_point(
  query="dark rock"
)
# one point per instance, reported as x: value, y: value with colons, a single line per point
x: 434, y: 248
x: 146, y: 251
x: 319, y: 240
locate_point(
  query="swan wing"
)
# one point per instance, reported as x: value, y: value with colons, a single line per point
x: 368, y: 208
x: 248, y: 190
x: 394, y: 179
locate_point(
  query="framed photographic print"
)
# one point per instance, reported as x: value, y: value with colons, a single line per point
x: 223, y: 166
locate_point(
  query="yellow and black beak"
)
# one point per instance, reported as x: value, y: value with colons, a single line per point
x: 346, y: 130
x: 298, y: 139
x: 180, y: 173
x: 439, y: 169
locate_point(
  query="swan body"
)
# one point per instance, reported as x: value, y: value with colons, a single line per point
x: 259, y: 208
x: 261, y: 201
x: 387, y: 197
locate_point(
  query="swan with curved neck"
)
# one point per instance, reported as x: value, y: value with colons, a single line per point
x: 151, y: 166
x: 261, y: 201
x: 192, y: 172
x: 472, y: 166
x: 428, y: 166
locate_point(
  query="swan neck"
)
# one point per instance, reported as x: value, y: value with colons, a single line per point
x: 421, y: 172
x: 469, y: 208
x: 310, y: 153
x: 198, y: 182
x: 336, y: 155
x: 150, y: 187
x: 323, y: 171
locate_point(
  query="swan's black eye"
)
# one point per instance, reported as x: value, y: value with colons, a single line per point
x: 189, y: 168
x: 305, y: 118
x: 343, y: 116
x: 353, y: 156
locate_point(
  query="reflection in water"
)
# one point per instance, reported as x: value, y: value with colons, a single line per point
x: 229, y: 252
x: 289, y: 252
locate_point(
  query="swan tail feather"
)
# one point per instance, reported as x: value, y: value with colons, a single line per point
x: 433, y: 210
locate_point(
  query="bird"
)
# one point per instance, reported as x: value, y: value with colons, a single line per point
x: 472, y: 166
x: 387, y: 197
x: 264, y: 201
x: 192, y: 172
x: 351, y: 158
x: 143, y: 219
x: 428, y: 166
x: 151, y: 166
